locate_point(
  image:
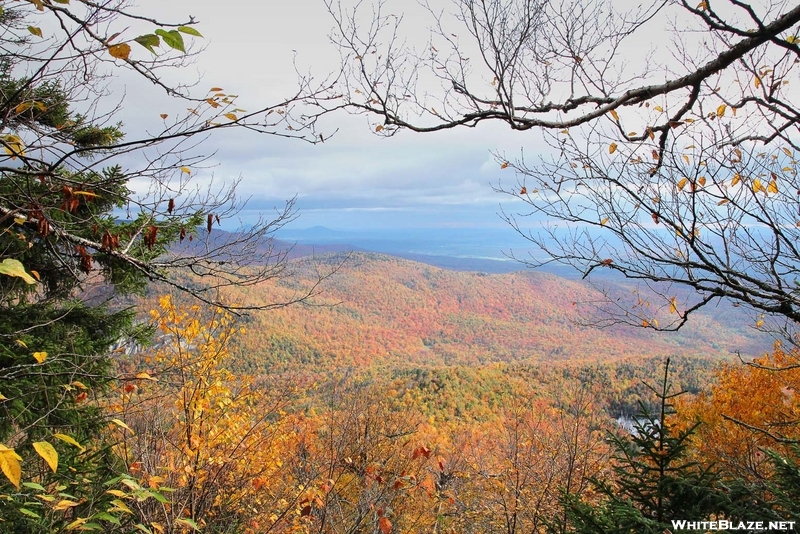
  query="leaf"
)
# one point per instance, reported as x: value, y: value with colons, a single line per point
x: 682, y: 183
x: 378, y: 128
x: 613, y: 113
x: 702, y: 181
x: 29, y: 513
x: 385, y: 525
x: 523, y: 191
x: 35, y: 31
x: 46, y: 451
x: 145, y: 376
x: 149, y: 41
x: 172, y: 38
x: 186, y: 170
x: 504, y: 165
x: 233, y: 117
x: 612, y: 148
x: 772, y: 187
x: 702, y: 5
x: 78, y: 524
x: 757, y: 186
x: 792, y: 39
x: 721, y: 110
x: 40, y: 356
x: 604, y: 221
x: 120, y: 51
x: 65, y: 504
x: 121, y: 424
x: 163, y: 115
x: 686, y: 159
x: 14, y: 146
x: 659, y: 109
x: 787, y: 152
x: 673, y: 305
x: 736, y: 179
x: 188, y: 522
x: 188, y: 30
x: 215, y: 89
x: 68, y: 439
x: 12, y: 267
x: 9, y: 464
x: 757, y: 82
x: 723, y: 201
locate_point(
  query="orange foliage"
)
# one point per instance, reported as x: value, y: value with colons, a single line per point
x: 750, y: 408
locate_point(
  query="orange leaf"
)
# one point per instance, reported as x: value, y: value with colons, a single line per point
x: 612, y: 148
x: 504, y: 165
x: 614, y: 114
x: 385, y: 525
x: 120, y: 51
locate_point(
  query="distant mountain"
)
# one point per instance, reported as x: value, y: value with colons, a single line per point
x: 378, y: 310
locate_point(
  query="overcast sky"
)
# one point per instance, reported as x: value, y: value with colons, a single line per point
x: 354, y: 180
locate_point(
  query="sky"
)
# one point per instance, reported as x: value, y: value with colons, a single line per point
x: 355, y: 179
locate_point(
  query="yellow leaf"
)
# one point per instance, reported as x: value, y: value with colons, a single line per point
x: 757, y: 82
x: 736, y: 179
x: 46, y: 451
x: 721, y: 110
x: 20, y: 343
x: 604, y: 221
x: 3, y: 397
x: 723, y: 201
x: 682, y: 183
x: 12, y: 267
x: 787, y: 151
x: 613, y: 113
x: 216, y: 89
x: 9, y: 464
x: 757, y: 186
x: 68, y: 439
x: 186, y: 170
x: 612, y: 148
x: 565, y: 132
x: 120, y: 51
x: 64, y: 504
x: 117, y: 493
x: 40, y: 356
x: 702, y: 181
x: 772, y: 187
x: 759, y: 323
x: 673, y: 305
x: 231, y: 116
x: 35, y: 31
x: 379, y: 127
x: 119, y: 423
x: 659, y: 109
x: 77, y: 524
x: 686, y: 158
x: 13, y: 146
x: 792, y: 39
x: 144, y: 376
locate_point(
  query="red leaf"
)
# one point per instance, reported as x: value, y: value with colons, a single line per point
x: 209, y: 222
x: 171, y: 206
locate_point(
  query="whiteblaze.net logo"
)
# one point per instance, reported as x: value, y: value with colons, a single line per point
x: 723, y: 524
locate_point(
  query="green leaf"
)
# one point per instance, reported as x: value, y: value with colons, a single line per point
x: 13, y: 267
x: 35, y: 31
x: 149, y: 41
x: 105, y: 516
x: 172, y: 38
x: 33, y: 485
x: 188, y: 30
x: 29, y: 513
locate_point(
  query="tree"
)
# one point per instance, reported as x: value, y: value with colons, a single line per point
x: 75, y: 233
x: 679, y: 175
